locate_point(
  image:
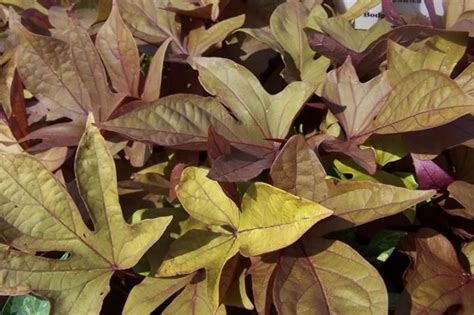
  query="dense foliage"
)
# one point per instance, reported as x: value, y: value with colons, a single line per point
x: 232, y: 156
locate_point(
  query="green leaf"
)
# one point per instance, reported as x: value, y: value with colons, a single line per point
x: 288, y: 38
x: 194, y: 300
x: 466, y: 80
x: 340, y: 29
x: 26, y: 4
x: 468, y: 251
x: 152, y: 292
x: 205, y: 200
x: 287, y: 23
x: 268, y: 213
x: 298, y: 169
x: 80, y: 282
x: 201, y: 249
x: 201, y: 39
x: 119, y: 52
x: 26, y: 305
x: 200, y: 9
x: 423, y: 99
x: 387, y: 149
x: 266, y: 116
x: 176, y: 120
x: 440, y: 53
x: 237, y: 294
x: 328, y: 276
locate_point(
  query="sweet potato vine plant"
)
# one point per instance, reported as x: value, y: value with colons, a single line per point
x: 232, y: 156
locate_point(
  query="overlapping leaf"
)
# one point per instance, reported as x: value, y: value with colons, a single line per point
x: 287, y: 37
x: 149, y: 21
x: 119, y: 52
x: 298, y: 170
x: 38, y: 215
x: 67, y: 77
x: 183, y: 120
x: 266, y: 213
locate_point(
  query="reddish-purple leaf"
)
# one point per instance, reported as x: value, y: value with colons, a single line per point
x: 240, y: 166
x: 430, y: 175
x: 217, y: 145
x: 369, y: 59
x: 391, y: 13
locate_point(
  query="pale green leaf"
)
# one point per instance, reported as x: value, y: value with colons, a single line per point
x: 466, y: 80
x: 264, y: 115
x: 297, y: 169
x: 205, y: 200
x: 176, y: 120
x: 201, y: 39
x: 194, y: 300
x: 79, y: 283
x: 356, y: 40
x: 273, y: 219
x: 237, y: 294
x: 8, y: 142
x: 287, y: 23
x: 26, y: 4
x: 152, y: 292
x: 455, y: 9
x: 7, y: 72
x: 201, y: 249
x: 368, y: 202
x: 440, y: 53
x: 423, y: 99
x: 468, y: 251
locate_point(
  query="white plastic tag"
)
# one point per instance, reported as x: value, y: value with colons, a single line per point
x: 404, y: 7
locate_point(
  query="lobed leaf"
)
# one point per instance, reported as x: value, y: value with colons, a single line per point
x: 152, y: 292
x: 204, y: 199
x: 116, y: 45
x: 79, y: 283
x: 298, y: 169
x: 268, y: 213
